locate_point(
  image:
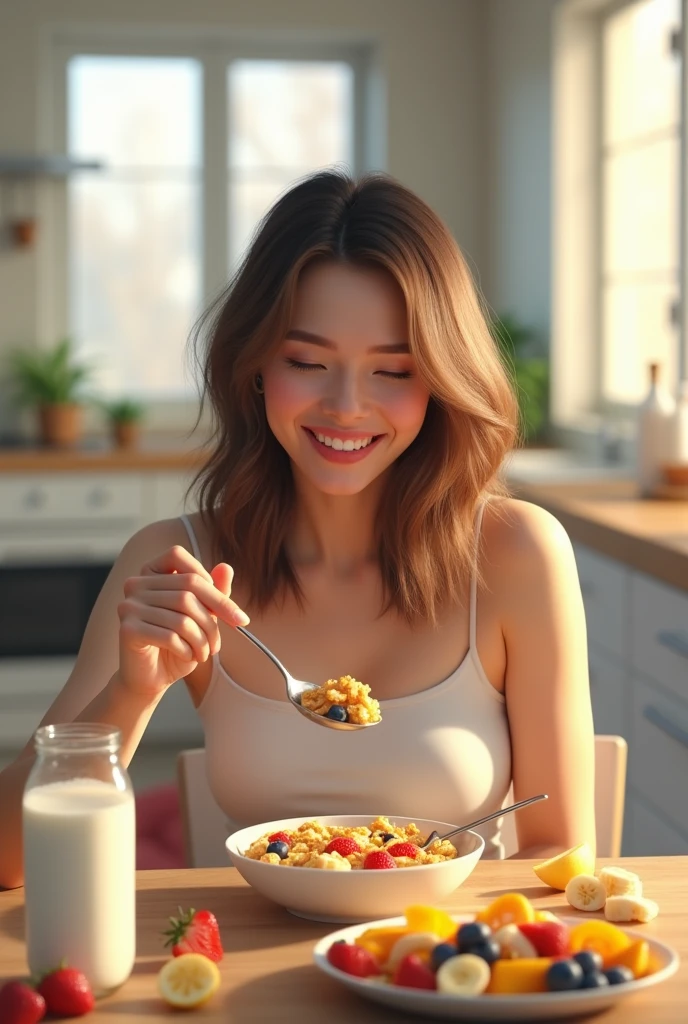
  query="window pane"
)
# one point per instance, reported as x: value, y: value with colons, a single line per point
x: 134, y: 228
x: 135, y: 111
x: 286, y: 119
x: 641, y: 208
x: 135, y: 280
x: 641, y: 75
x: 637, y: 331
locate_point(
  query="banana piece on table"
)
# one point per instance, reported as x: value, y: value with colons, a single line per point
x: 619, y: 882
x: 621, y: 909
x: 585, y: 892
x: 464, y: 975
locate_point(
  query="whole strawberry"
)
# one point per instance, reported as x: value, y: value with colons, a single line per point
x: 20, y: 1004
x: 67, y: 992
x: 195, y: 931
x: 352, y: 959
x: 379, y: 859
x: 402, y: 850
x: 343, y: 845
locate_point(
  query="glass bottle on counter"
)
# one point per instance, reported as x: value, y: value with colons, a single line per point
x: 80, y: 855
x: 654, y: 441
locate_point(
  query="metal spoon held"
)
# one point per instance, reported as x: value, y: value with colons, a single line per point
x: 297, y: 687
x: 481, y: 821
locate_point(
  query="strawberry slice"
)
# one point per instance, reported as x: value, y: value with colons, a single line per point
x: 20, y: 1004
x: 413, y: 973
x: 195, y: 931
x: 550, y: 938
x: 343, y: 845
x: 279, y: 837
x: 379, y: 859
x: 402, y: 850
x: 67, y: 992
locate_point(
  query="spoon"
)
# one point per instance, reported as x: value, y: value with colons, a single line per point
x: 481, y: 821
x: 297, y: 687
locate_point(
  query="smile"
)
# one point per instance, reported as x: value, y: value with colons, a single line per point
x: 342, y: 449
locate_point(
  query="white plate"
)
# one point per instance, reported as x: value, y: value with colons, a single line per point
x: 538, y: 1006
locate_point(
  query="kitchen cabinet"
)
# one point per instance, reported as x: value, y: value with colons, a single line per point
x: 638, y: 661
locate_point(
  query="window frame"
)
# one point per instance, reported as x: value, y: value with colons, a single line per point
x: 215, y: 51
x: 578, y: 411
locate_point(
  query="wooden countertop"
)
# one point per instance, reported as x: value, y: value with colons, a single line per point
x: 267, y: 971
x: 608, y: 515
x: 65, y: 460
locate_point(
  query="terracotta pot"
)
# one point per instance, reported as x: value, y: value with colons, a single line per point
x: 60, y: 424
x: 24, y: 232
x: 126, y: 433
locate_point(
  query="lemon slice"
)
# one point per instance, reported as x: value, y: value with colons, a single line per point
x: 188, y: 981
x: 558, y: 871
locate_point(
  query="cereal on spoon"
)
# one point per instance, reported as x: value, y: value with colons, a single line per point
x: 342, y: 848
x: 343, y: 700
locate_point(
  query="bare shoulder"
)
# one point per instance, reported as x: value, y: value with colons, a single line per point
x: 154, y: 538
x: 524, y: 540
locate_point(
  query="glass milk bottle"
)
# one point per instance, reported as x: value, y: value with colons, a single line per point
x: 80, y: 855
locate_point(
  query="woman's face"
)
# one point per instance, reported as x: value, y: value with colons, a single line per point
x: 342, y: 393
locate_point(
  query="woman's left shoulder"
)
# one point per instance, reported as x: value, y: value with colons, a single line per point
x: 524, y: 538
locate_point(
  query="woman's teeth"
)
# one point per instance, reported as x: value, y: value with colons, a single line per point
x: 344, y: 446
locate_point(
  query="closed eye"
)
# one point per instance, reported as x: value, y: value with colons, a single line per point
x: 304, y: 366
x: 398, y: 375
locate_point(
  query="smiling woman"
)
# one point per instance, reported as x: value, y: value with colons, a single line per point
x: 353, y: 509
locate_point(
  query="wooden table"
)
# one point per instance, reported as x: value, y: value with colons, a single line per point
x: 267, y: 973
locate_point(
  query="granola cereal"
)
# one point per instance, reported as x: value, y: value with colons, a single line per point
x: 309, y: 846
x: 348, y: 696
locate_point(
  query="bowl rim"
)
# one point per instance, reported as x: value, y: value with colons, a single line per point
x: 285, y: 823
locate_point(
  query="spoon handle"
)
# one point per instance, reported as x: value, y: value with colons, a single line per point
x: 488, y: 817
x: 266, y: 651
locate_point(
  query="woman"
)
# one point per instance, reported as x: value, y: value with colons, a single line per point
x: 351, y: 508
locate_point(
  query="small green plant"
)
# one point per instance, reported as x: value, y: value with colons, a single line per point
x: 530, y: 373
x: 50, y: 376
x: 123, y: 410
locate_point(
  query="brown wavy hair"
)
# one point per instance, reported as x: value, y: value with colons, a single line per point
x: 425, y: 519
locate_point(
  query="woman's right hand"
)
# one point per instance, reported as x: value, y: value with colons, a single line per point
x: 168, y: 620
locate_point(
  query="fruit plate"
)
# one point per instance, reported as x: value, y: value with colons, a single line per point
x: 538, y: 1006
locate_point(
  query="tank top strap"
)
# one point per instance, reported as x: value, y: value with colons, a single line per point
x: 193, y: 540
x: 474, y: 574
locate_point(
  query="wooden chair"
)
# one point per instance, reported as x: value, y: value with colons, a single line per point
x: 206, y: 827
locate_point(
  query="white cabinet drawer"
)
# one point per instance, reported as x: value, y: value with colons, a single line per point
x: 648, y: 835
x: 62, y: 497
x: 609, y: 687
x: 659, y: 633
x: 605, y: 587
x: 658, y: 750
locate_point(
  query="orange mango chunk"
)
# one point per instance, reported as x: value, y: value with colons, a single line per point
x: 636, y: 957
x: 525, y: 974
x: 601, y: 936
x: 512, y: 908
x: 421, y: 918
x: 379, y: 941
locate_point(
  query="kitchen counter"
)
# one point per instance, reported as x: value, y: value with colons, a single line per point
x: 150, y: 456
x: 608, y: 516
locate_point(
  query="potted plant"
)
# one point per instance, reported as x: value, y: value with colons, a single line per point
x: 529, y: 372
x: 125, y: 417
x: 52, y: 380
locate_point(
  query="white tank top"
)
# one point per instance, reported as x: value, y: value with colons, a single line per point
x: 441, y: 754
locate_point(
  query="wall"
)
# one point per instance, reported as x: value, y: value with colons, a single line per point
x: 517, y: 158
x: 427, y: 53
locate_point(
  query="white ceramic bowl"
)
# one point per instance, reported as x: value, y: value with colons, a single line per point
x: 352, y: 896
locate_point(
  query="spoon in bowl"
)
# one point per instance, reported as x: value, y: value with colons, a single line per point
x: 481, y: 821
x: 297, y: 687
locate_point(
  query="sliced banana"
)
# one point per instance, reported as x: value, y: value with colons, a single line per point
x: 463, y: 975
x: 513, y: 943
x: 585, y: 892
x: 630, y: 908
x: 416, y: 942
x: 619, y: 882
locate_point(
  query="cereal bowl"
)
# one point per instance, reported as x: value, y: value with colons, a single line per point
x: 353, y: 896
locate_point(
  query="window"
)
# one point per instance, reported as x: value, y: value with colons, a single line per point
x: 640, y: 171
x: 152, y: 236
x: 618, y: 197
